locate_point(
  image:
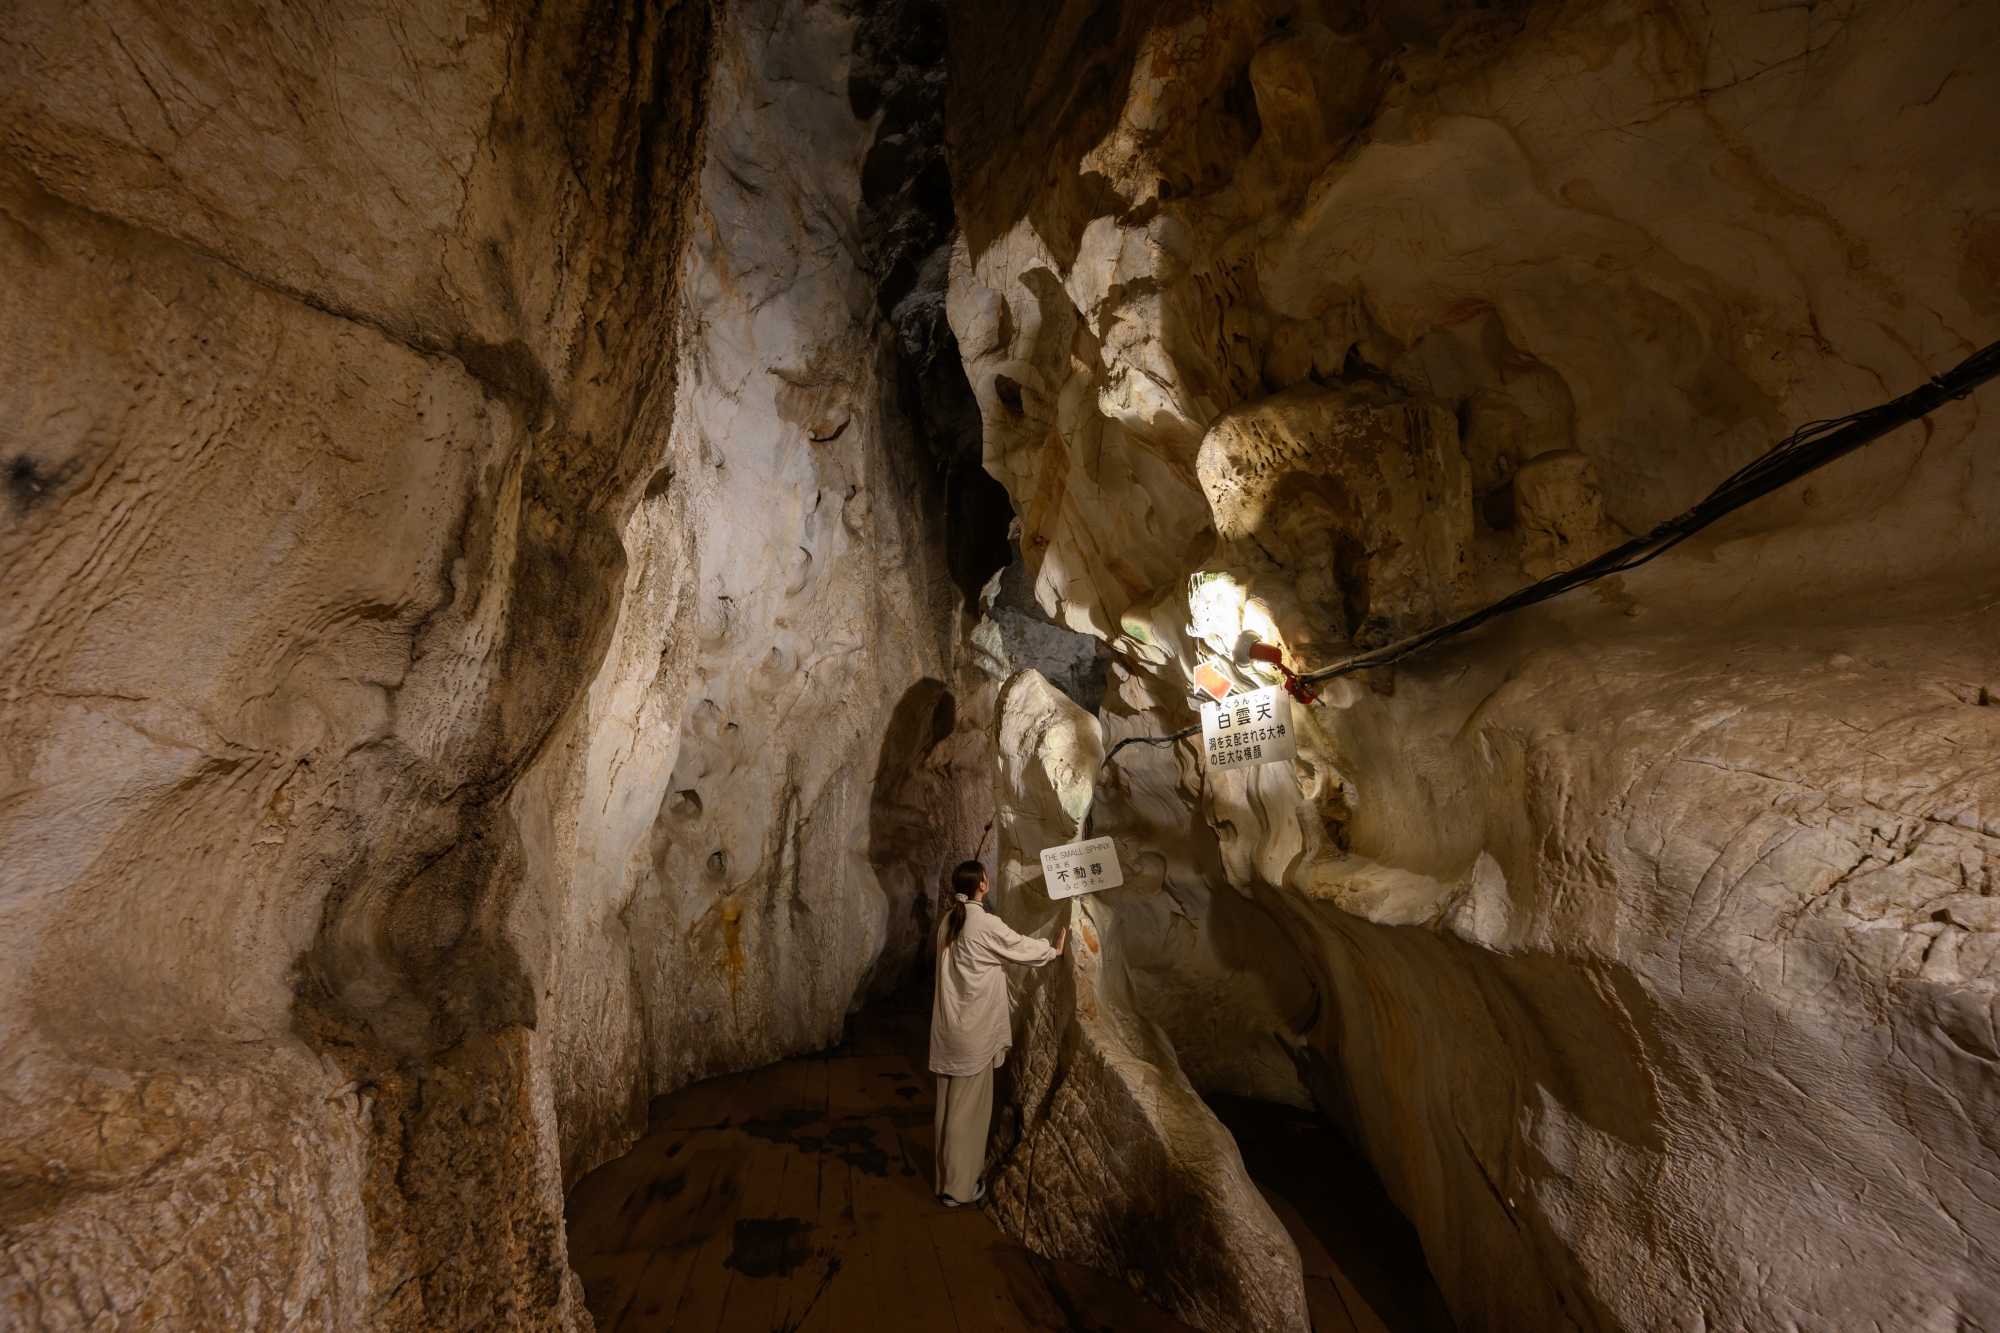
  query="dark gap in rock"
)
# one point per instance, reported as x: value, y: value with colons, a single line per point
x: 907, y: 225
x: 944, y: 719
x: 27, y: 483
x: 903, y: 835
x: 1355, y: 1243
x: 1008, y: 391
x: 1017, y: 633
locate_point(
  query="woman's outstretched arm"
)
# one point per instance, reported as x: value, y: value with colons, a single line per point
x: 1012, y: 947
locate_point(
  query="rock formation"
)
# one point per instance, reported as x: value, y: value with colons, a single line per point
x: 479, y: 646
x: 1637, y: 940
x: 535, y: 535
x: 1112, y: 1159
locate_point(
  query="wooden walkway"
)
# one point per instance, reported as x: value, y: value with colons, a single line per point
x: 797, y: 1199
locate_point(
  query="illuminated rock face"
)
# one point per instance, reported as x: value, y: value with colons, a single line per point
x: 1110, y: 1157
x: 1646, y: 942
x: 477, y: 649
x: 1347, y: 514
x: 486, y: 637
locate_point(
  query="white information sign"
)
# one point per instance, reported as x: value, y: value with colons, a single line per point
x: 1250, y: 728
x: 1081, y: 867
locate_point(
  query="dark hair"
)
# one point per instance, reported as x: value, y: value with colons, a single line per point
x: 966, y: 880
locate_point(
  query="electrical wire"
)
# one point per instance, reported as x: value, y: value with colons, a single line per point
x: 1807, y: 449
x: 1181, y: 735
x: 1810, y: 447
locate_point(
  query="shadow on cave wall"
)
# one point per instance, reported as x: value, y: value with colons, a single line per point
x: 906, y: 836
x: 1014, y: 634
x: 411, y: 985
x: 908, y: 223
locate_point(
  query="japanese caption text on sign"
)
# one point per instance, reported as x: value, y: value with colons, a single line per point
x: 1081, y: 867
x: 1250, y: 728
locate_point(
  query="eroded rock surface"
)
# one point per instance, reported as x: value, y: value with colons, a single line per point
x: 1638, y: 940
x: 494, y: 536
x: 1111, y: 1159
x: 478, y: 651
x: 336, y: 349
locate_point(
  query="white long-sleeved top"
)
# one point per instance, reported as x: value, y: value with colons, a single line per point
x: 970, y: 1028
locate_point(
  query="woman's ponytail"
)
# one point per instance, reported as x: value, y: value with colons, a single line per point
x: 965, y: 881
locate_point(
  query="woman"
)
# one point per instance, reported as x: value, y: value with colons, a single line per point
x: 970, y: 1030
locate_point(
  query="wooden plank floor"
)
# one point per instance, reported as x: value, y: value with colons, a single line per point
x: 797, y: 1198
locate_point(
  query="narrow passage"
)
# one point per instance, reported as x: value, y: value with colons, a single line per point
x: 797, y: 1197
x: 1365, y: 1268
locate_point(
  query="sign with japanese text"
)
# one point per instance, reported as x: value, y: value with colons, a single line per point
x: 1250, y: 728
x: 1081, y: 867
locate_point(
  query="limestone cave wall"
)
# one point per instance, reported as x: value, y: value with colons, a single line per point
x: 1646, y: 942
x: 534, y: 535
x: 479, y: 635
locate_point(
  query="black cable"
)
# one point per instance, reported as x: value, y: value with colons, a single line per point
x: 1148, y: 740
x: 1810, y: 447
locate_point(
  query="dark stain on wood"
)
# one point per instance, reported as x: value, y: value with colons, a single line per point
x: 769, y: 1246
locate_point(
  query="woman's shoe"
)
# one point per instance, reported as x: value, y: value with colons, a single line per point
x: 977, y: 1195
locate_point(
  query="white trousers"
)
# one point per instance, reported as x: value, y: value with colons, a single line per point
x: 964, y: 1114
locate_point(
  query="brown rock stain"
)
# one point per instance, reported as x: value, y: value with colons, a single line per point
x: 1050, y: 486
x: 732, y: 944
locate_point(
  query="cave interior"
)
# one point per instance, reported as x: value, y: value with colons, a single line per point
x: 537, y: 535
